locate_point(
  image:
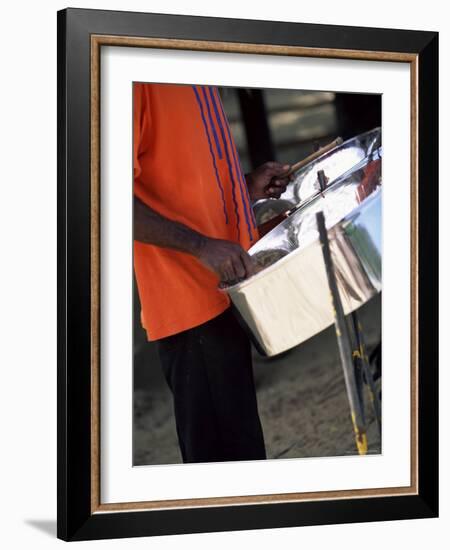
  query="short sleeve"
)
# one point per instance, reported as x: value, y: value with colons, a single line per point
x: 141, y: 126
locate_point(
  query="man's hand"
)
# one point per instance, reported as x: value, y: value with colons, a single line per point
x: 227, y: 259
x: 268, y: 180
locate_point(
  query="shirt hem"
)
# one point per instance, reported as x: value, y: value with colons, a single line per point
x: 162, y: 332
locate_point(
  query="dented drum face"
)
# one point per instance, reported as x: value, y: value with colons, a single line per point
x: 288, y: 301
x: 333, y: 164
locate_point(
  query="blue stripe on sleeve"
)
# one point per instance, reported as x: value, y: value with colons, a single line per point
x: 243, y: 185
x: 212, y: 152
x: 227, y: 156
x: 249, y: 202
x: 213, y: 126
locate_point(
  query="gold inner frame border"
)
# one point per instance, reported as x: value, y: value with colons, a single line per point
x: 97, y: 41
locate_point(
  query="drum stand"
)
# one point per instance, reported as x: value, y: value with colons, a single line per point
x: 352, y: 352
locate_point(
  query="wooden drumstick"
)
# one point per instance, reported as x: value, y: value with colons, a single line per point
x: 313, y: 156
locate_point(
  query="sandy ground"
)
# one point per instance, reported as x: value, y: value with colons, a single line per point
x: 302, y: 402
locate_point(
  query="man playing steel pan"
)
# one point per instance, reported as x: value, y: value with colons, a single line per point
x: 193, y: 223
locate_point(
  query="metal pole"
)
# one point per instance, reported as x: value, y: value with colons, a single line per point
x: 362, y: 355
x: 344, y: 344
x: 358, y: 368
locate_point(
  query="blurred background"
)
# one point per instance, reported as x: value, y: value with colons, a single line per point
x: 302, y: 399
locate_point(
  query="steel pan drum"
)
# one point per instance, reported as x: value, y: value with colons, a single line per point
x: 306, y: 183
x: 288, y: 301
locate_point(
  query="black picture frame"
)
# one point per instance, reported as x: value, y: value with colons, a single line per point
x: 76, y: 518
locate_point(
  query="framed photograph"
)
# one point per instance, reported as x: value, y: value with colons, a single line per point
x: 247, y: 274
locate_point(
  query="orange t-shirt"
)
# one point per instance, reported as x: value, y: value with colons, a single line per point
x: 186, y: 168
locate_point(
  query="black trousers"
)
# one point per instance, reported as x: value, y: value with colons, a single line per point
x: 209, y: 371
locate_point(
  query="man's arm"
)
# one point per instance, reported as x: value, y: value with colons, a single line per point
x: 228, y: 260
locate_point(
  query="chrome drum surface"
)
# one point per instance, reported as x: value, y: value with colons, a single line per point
x: 288, y: 301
